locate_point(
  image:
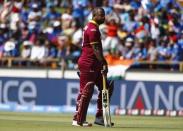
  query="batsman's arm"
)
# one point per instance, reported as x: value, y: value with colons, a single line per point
x: 99, y: 54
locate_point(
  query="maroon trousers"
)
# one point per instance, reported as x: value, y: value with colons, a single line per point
x: 90, y: 75
x: 88, y: 80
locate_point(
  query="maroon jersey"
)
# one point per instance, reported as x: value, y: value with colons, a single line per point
x: 91, y: 35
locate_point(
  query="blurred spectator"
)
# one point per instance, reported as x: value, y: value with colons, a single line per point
x: 139, y: 30
x: 154, y: 28
x: 128, y: 52
x: 62, y: 46
x: 5, y: 10
x: 180, y: 48
x: 111, y: 42
x: 106, y: 7
x: 50, y: 50
x: 152, y: 53
x: 140, y: 51
x: 34, y: 17
x: 173, y: 51
x: 52, y: 15
x: 15, y: 15
x: 88, y: 11
x: 38, y: 50
x: 78, y: 10
x: 10, y: 49
x: 26, y: 49
x: 131, y: 24
x: 67, y: 18
x: 163, y: 54
x: 3, y: 37
x: 115, y: 14
x: 77, y: 35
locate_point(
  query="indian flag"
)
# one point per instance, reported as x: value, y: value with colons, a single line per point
x: 117, y: 67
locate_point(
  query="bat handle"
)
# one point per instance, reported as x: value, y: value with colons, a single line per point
x: 104, y: 81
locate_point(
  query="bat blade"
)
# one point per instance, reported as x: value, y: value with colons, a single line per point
x: 106, y: 108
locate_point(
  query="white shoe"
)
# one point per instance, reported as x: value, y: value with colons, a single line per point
x: 74, y: 123
x: 85, y: 124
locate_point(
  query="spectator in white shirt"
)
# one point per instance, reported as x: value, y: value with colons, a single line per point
x: 38, y: 50
x: 26, y: 50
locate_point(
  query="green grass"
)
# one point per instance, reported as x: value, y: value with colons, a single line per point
x: 14, y: 121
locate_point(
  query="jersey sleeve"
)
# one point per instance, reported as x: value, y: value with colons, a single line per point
x: 94, y: 36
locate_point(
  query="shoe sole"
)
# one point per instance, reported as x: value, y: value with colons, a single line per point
x: 83, y: 125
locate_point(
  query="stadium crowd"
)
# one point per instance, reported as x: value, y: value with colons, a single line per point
x: 134, y: 29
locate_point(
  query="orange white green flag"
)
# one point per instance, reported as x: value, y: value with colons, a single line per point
x: 117, y: 67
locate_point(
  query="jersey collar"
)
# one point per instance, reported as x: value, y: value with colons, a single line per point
x: 92, y: 21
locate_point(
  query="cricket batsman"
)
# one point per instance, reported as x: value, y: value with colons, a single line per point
x: 91, y: 63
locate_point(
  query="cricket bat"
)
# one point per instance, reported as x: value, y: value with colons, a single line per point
x: 105, y: 103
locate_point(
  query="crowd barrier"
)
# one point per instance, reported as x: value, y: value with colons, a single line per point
x: 57, y: 63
